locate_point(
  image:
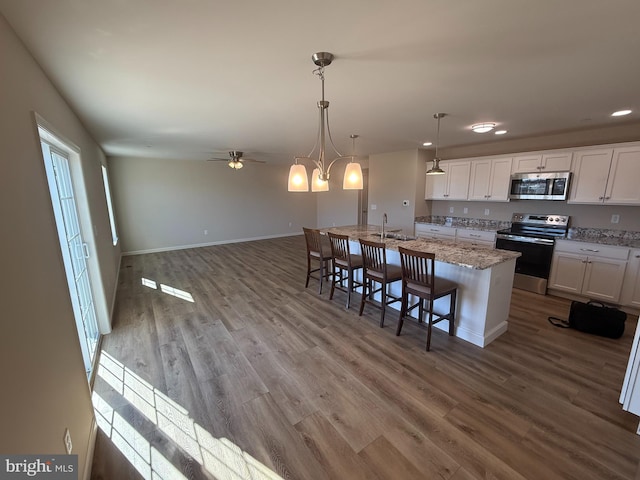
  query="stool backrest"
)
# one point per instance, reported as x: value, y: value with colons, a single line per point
x: 374, y: 255
x: 312, y: 237
x: 340, y: 247
x: 417, y: 267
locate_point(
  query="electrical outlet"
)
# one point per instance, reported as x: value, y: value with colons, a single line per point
x: 487, y: 211
x: 290, y: 224
x: 450, y: 209
x: 68, y: 446
x: 615, y: 218
x: 465, y: 210
x: 206, y: 232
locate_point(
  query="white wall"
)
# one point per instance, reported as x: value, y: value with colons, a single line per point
x: 337, y: 206
x: 167, y: 204
x: 393, y: 178
x: 44, y: 386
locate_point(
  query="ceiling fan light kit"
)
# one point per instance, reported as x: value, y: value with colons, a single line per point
x: 436, y: 170
x: 298, y: 182
x: 236, y: 160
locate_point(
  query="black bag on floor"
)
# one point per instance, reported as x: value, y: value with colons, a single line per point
x: 593, y: 317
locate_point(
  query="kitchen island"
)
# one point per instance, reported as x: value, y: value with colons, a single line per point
x: 484, y: 277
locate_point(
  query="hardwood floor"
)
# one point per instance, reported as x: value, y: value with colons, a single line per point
x: 258, y: 377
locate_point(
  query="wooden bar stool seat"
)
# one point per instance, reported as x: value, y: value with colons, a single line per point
x: 419, y: 280
x: 345, y: 265
x: 376, y: 270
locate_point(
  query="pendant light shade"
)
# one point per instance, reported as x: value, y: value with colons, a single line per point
x: 436, y: 170
x: 352, y: 177
x: 298, y: 181
x: 317, y: 184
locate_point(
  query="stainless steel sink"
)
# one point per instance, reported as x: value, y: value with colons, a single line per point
x: 394, y: 236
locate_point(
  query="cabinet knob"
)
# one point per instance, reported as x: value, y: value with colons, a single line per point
x: 600, y: 198
x: 607, y: 198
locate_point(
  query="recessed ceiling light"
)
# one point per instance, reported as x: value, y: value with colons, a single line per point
x: 500, y: 132
x: 483, y: 127
x: 427, y: 144
x: 621, y: 113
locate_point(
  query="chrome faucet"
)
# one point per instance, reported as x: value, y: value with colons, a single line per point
x: 384, y: 220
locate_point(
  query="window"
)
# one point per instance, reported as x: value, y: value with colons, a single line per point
x: 107, y: 192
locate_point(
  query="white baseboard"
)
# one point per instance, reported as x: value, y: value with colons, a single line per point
x: 210, y: 244
x: 88, y: 463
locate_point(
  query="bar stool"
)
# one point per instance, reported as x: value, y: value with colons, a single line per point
x: 418, y: 278
x: 377, y: 270
x: 344, y: 265
x: 318, y: 252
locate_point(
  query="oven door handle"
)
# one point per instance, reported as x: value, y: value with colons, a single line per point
x: 520, y: 238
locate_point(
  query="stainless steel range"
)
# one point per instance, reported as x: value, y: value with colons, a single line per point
x: 534, y: 236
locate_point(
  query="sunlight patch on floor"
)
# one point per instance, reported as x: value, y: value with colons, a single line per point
x: 219, y: 456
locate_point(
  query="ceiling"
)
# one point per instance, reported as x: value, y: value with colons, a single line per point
x: 195, y: 78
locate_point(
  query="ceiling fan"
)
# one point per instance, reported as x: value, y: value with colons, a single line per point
x: 236, y: 159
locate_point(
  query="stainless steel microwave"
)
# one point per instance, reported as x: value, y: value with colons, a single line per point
x: 540, y: 186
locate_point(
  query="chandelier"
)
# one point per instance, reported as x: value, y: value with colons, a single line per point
x: 298, y: 180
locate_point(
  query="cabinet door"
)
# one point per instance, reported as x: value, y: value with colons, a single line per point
x: 603, y: 279
x: 567, y: 272
x: 435, y: 187
x: 631, y: 285
x: 458, y: 173
x: 590, y: 176
x: 556, y: 162
x: 500, y: 179
x: 623, y: 187
x: 527, y: 163
x: 453, y: 185
x: 480, y: 180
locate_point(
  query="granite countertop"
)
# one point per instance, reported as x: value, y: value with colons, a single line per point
x: 618, y: 238
x: 446, y: 251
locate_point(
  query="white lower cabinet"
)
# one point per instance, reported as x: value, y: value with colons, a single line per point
x: 427, y: 230
x: 631, y: 287
x: 590, y: 270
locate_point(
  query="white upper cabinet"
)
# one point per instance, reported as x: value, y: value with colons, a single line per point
x: 542, y: 162
x: 453, y: 185
x: 490, y: 179
x: 607, y: 176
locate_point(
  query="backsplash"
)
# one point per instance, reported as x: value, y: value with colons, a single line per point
x: 463, y: 222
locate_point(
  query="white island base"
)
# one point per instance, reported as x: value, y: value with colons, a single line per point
x: 483, y: 299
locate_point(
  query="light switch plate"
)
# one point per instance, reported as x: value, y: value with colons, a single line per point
x: 374, y: 207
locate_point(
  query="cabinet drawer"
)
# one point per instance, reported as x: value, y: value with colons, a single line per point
x: 592, y: 249
x: 476, y: 235
x: 432, y: 230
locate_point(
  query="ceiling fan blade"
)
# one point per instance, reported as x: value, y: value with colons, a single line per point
x: 251, y: 160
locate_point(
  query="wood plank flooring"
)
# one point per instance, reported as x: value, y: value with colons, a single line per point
x: 260, y: 378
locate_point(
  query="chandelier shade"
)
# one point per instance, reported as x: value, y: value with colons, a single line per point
x: 298, y: 181
x: 321, y: 172
x: 317, y: 183
x: 352, y: 177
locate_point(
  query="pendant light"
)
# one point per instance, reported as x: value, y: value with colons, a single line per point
x: 298, y: 181
x: 436, y: 170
